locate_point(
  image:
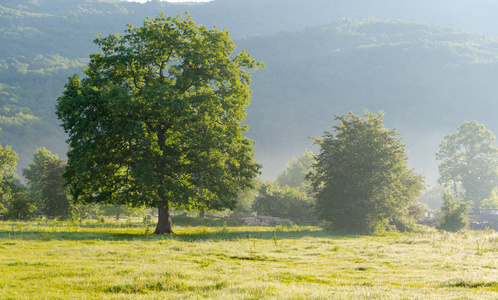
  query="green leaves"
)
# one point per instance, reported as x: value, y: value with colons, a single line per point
x: 54, y: 195
x: 297, y: 169
x: 469, y: 158
x: 284, y: 202
x: 454, y: 213
x: 361, y: 179
x: 156, y: 121
x: 8, y: 162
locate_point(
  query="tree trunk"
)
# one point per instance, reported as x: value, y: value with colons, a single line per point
x: 118, y: 211
x: 201, y: 214
x: 164, y: 224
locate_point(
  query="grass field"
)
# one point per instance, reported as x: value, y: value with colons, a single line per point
x: 115, y: 261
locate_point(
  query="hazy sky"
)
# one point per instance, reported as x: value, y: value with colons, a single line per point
x: 143, y: 1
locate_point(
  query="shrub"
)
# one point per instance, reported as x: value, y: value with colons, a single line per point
x: 21, y: 207
x: 454, y: 213
x: 284, y: 202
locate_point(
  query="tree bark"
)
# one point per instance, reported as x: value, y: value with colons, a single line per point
x: 164, y: 224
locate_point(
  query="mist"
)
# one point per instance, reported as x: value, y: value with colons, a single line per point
x: 429, y: 66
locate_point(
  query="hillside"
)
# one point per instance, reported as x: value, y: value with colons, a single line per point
x: 323, y: 58
x: 428, y: 79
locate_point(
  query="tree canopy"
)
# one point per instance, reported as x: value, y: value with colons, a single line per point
x: 294, y: 175
x: 469, y: 158
x: 361, y: 180
x: 14, y: 203
x: 284, y: 202
x: 54, y: 196
x: 157, y: 120
x: 34, y: 173
x: 8, y: 162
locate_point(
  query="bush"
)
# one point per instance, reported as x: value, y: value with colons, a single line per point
x: 284, y: 202
x: 21, y: 207
x: 407, y: 221
x: 454, y: 213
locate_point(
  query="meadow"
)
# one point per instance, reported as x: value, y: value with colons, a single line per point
x: 59, y: 260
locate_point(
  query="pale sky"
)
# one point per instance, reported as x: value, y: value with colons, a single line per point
x: 143, y: 1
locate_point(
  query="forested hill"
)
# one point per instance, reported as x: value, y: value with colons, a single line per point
x: 427, y: 79
x: 323, y: 57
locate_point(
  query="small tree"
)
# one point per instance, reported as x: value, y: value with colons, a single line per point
x: 14, y: 201
x: 454, y: 213
x: 34, y: 174
x: 492, y: 201
x: 361, y: 181
x: 54, y: 194
x: 8, y: 162
x: 294, y: 175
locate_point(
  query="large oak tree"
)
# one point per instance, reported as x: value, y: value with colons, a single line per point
x: 157, y: 120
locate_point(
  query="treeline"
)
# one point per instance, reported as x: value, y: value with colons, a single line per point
x: 358, y: 183
x: 45, y: 194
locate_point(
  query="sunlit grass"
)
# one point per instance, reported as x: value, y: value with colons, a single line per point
x: 94, y: 261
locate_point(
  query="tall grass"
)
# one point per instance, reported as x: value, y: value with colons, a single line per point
x: 56, y: 260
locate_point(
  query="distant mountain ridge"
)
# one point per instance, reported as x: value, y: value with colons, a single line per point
x: 323, y: 57
x: 428, y: 79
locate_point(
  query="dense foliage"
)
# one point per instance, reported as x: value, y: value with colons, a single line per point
x: 14, y: 200
x: 246, y: 197
x: 454, y: 213
x: 361, y: 181
x: 54, y: 195
x: 284, y: 202
x: 492, y: 201
x: 469, y: 158
x: 294, y: 175
x: 156, y: 122
x: 33, y: 175
x: 8, y: 162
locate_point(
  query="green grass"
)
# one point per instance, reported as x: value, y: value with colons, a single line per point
x: 116, y: 261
